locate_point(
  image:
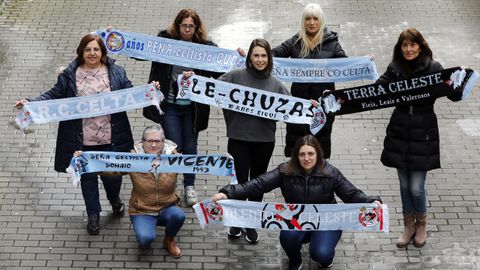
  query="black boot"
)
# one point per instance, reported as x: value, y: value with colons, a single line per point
x: 118, y: 208
x: 93, y: 226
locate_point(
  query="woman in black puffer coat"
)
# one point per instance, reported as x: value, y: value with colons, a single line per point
x: 314, y: 41
x: 412, y: 141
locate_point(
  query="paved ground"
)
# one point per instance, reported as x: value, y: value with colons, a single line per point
x: 42, y: 217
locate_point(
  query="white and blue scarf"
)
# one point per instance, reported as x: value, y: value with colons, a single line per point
x: 299, y: 217
x: 93, y: 161
x: 56, y: 110
x: 259, y: 103
x: 204, y: 57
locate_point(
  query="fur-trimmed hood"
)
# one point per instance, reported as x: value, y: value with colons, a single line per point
x: 169, y: 147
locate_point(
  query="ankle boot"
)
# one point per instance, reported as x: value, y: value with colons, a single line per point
x: 171, y: 246
x: 118, y: 208
x: 420, y: 230
x: 93, y: 225
x: 408, y: 230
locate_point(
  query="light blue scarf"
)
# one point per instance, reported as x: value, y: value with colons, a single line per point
x: 299, y: 217
x: 204, y: 57
x: 56, y: 110
x: 93, y: 161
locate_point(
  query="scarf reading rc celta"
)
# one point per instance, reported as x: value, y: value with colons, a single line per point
x: 199, y: 56
x: 410, y: 91
x: 94, y: 161
x: 300, y: 217
x: 56, y: 110
x: 251, y: 101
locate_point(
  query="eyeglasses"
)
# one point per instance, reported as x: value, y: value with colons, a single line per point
x: 151, y: 142
x: 88, y: 50
x: 188, y: 26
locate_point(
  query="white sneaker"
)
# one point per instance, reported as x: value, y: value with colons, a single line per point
x: 325, y: 266
x: 190, y: 196
x: 295, y: 265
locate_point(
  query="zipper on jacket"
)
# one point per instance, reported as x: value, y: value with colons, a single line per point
x: 195, y: 112
x: 157, y: 181
x: 306, y: 189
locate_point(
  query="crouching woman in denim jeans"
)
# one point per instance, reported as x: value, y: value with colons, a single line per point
x: 307, y: 178
x: 153, y: 200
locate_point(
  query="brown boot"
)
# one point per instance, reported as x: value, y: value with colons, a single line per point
x: 171, y: 246
x: 420, y: 230
x: 408, y: 230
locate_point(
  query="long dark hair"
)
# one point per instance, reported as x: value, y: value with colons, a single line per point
x: 83, y: 44
x: 260, y: 42
x: 293, y: 165
x: 413, y: 35
x: 200, y: 34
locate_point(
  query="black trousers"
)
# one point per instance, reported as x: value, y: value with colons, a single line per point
x: 296, y: 131
x: 251, y: 160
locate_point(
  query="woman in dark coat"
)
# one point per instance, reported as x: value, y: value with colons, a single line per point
x: 412, y: 141
x: 92, y: 72
x: 307, y: 179
x: 183, y: 119
x: 314, y: 41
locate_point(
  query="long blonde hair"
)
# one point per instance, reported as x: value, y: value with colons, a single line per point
x: 308, y: 43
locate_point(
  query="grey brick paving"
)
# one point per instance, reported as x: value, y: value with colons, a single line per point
x: 42, y: 216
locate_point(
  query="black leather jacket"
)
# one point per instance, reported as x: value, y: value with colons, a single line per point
x: 319, y: 187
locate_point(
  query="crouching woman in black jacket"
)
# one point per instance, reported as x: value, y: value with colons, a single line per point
x: 307, y: 179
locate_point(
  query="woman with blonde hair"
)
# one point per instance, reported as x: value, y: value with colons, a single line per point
x: 314, y: 41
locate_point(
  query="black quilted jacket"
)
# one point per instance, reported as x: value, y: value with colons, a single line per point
x: 412, y: 139
x: 319, y: 187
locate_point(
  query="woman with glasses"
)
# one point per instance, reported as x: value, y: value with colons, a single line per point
x: 183, y: 119
x: 91, y: 73
x: 313, y: 41
x: 153, y: 201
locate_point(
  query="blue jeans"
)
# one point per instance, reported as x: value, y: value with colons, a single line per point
x: 322, y: 245
x: 412, y: 191
x: 89, y: 184
x: 145, y: 226
x: 178, y: 127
